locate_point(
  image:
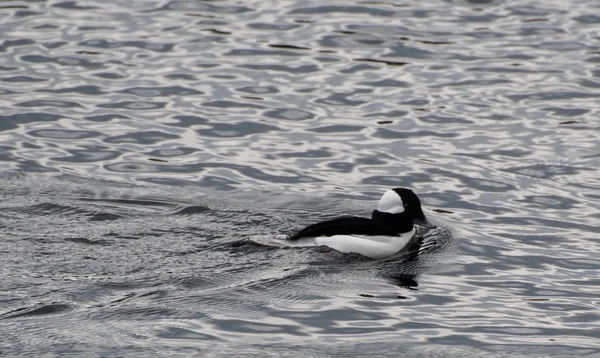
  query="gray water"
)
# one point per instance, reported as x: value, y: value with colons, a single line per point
x: 147, y: 147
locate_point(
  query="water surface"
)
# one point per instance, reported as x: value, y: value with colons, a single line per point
x: 145, y: 145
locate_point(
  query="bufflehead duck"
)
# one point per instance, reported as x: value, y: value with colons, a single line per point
x: 388, y: 230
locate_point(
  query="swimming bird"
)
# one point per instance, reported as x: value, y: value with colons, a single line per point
x: 388, y: 230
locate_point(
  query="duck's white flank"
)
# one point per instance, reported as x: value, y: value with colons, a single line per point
x: 390, y: 203
x: 375, y: 247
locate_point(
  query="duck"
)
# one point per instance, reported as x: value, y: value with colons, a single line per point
x: 387, y: 232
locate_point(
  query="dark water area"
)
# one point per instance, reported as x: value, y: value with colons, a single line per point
x: 149, y: 148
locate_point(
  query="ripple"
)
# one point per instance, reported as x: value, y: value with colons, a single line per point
x: 131, y: 167
x: 25, y: 13
x: 388, y: 82
x: 440, y: 119
x: 243, y: 129
x: 192, y: 210
x: 259, y: 89
x: 109, y: 75
x: 231, y: 104
x: 358, y: 68
x: 105, y: 117
x: 412, y: 180
x: 173, y: 152
x: 85, y: 90
x: 340, y: 128
x: 90, y: 155
x: 549, y: 201
x: 188, y: 121
x: 106, y: 44
x: 160, y: 92
x: 187, y: 6
x: 322, y: 153
x: 19, y: 79
x: 545, y: 171
x: 207, y: 181
x: 391, y: 114
x: 392, y: 134
x: 63, y: 61
x: 566, y: 112
x: 148, y: 137
x: 8, y: 122
x: 42, y: 310
x: 343, y: 9
x: 49, y: 103
x: 72, y: 5
x: 7, y: 44
x: 63, y: 134
x: 289, y: 114
x: 552, y: 96
x: 270, y: 53
x: 300, y: 69
x: 144, y: 106
x: 183, y: 334
x: 340, y: 99
x: 270, y: 27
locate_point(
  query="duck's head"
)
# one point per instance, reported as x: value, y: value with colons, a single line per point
x: 398, y: 209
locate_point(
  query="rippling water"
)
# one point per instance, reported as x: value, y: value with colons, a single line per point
x: 146, y: 146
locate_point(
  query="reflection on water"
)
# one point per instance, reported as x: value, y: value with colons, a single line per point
x: 144, y: 144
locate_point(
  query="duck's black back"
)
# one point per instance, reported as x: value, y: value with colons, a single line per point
x: 350, y: 225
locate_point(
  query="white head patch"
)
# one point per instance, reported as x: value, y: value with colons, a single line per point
x: 390, y: 203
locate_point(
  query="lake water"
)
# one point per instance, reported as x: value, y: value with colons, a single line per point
x: 147, y: 147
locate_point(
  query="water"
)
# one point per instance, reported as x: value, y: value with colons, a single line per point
x: 145, y: 145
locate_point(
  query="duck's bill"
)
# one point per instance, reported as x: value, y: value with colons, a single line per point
x: 422, y: 221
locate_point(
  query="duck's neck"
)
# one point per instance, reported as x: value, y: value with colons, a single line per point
x: 398, y: 223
